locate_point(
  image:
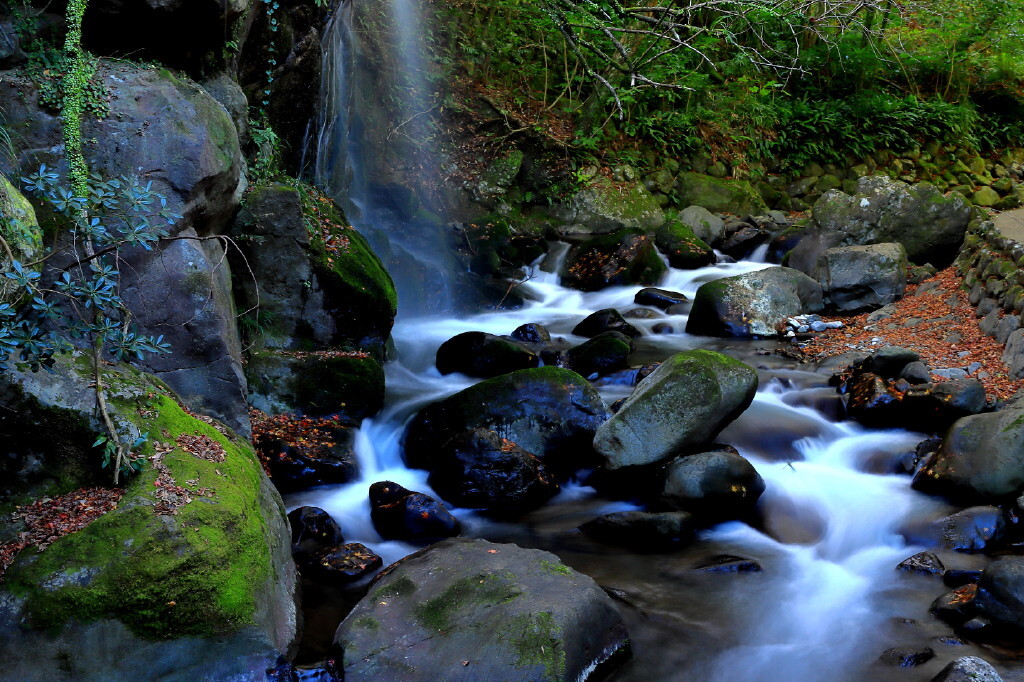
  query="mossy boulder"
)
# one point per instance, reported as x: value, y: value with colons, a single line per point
x: 682, y: 247
x: 605, y: 353
x: 620, y: 258
x: 753, y: 304
x: 548, y: 411
x: 349, y: 384
x: 473, y: 610
x: 704, y: 224
x: 981, y: 459
x: 930, y: 226
x: 316, y: 281
x: 720, y: 195
x: 189, y: 576
x: 686, y: 401
x: 605, y: 207
x: 20, y: 230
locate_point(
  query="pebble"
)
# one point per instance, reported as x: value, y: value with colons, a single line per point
x: 950, y: 373
x: 818, y: 326
x: 973, y: 367
x: 963, y: 354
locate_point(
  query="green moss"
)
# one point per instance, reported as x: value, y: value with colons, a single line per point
x: 483, y: 589
x: 682, y: 247
x: 536, y: 640
x: 196, y: 573
x: 367, y: 623
x: 555, y: 568
x: 401, y: 587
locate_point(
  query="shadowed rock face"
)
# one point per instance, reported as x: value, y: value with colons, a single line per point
x: 473, y: 610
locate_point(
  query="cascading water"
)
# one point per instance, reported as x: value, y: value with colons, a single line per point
x: 825, y: 601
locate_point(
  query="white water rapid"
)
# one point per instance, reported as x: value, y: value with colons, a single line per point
x: 827, y: 601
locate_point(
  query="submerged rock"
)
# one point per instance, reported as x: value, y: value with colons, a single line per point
x: 686, y: 401
x: 645, y: 531
x: 907, y: 657
x: 473, y: 610
x: 754, y: 304
x: 401, y: 514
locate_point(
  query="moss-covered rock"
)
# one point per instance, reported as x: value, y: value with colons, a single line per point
x: 753, y: 304
x: 682, y: 247
x: 686, y: 401
x: 196, y: 551
x: 20, y: 231
x: 473, y: 610
x: 620, y: 258
x: 604, y: 207
x: 350, y: 384
x: 719, y: 195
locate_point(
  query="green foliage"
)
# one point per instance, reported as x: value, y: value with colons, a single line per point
x: 266, y: 166
x: 79, y: 71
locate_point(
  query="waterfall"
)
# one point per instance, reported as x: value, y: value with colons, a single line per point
x: 375, y: 149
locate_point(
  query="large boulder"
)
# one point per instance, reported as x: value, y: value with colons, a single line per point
x: 686, y: 401
x: 1001, y: 593
x: 753, y: 304
x: 930, y: 226
x: 479, y: 354
x: 704, y: 224
x: 322, y: 287
x: 603, y: 208
x: 856, y: 278
x: 719, y: 484
x: 981, y: 459
x: 619, y: 258
x: 20, y: 231
x: 548, y: 411
x: 190, y: 576
x: 473, y: 610
x: 171, y: 133
x: 720, y: 195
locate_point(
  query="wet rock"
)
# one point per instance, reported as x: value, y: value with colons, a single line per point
x: 620, y: 258
x: 342, y: 563
x: 312, y: 529
x: 718, y: 485
x: 645, y: 531
x: 923, y: 563
x: 663, y: 328
x: 871, y: 400
x: 603, y: 354
x: 470, y: 609
x: 642, y: 314
x: 726, y: 563
x: 743, y: 241
x: 957, y: 606
x: 550, y: 412
x: 907, y: 657
x: 659, y: 298
x: 682, y: 247
x: 299, y: 466
x: 754, y: 304
x: 478, y: 354
x: 1000, y: 596
x: 401, y: 514
x: 606, y: 320
x: 968, y: 669
x: 531, y: 333
x: 686, y: 401
x: 857, y: 278
x: 972, y: 530
x: 480, y: 470
x: 980, y: 459
x: 958, y: 577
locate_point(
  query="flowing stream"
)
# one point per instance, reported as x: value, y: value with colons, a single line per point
x: 827, y: 600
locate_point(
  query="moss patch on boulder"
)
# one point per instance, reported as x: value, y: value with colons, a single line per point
x: 720, y: 195
x: 20, y: 231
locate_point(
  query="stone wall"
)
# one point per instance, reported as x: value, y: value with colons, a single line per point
x: 991, y: 265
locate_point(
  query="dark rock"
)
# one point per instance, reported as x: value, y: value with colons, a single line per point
x: 956, y: 607
x: 686, y: 401
x: 299, y: 466
x: 476, y: 610
x: 889, y: 361
x: 974, y: 529
x: 858, y: 278
x: 1001, y: 593
x: 956, y: 577
x: 478, y: 354
x: 663, y: 328
x: 531, y: 333
x: 603, y: 354
x: 342, y: 563
x: 550, y: 412
x: 754, y: 304
x: 718, y: 485
x: 480, y: 470
x: 726, y: 563
x: 916, y: 373
x: 968, y: 669
x: 400, y: 514
x: 907, y: 657
x: 682, y: 247
x: 606, y: 320
x: 312, y: 529
x: 743, y: 241
x: 981, y: 459
x: 619, y: 258
x: 642, y: 530
x: 872, y: 401
x: 642, y: 314
x: 923, y: 563
x: 659, y: 298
